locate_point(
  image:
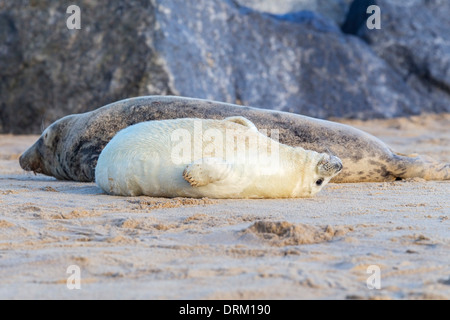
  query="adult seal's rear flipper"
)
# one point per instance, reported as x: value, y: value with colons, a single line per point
x: 205, y: 171
x: 416, y: 166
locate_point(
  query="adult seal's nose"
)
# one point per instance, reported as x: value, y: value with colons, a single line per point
x: 30, y: 160
x: 22, y: 162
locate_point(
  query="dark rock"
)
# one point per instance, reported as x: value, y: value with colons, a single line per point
x: 299, y: 62
x: 357, y: 16
x: 70, y: 71
x: 307, y: 66
x: 414, y: 40
x: 334, y: 10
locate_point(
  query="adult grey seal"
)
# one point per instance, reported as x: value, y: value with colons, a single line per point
x: 69, y: 148
x: 199, y: 158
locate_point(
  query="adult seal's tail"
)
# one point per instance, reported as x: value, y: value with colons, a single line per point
x: 69, y: 148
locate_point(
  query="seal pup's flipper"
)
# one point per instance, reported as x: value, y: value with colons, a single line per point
x: 242, y: 121
x: 208, y: 170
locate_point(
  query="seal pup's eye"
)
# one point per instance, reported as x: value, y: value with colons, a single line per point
x: 319, y: 182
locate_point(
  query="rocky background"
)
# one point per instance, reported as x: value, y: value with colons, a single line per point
x: 313, y: 57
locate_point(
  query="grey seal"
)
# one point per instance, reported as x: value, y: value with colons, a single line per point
x: 69, y: 148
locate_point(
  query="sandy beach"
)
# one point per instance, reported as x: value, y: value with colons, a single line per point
x: 154, y: 248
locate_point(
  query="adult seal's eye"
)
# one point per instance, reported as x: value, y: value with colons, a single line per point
x: 319, y: 182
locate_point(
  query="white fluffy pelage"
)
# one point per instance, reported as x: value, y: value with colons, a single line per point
x: 203, y: 158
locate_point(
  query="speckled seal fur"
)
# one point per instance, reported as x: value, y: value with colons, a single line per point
x: 69, y: 148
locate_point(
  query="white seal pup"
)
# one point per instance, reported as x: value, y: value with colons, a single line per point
x: 209, y: 158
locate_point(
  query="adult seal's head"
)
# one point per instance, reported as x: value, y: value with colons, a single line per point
x: 46, y: 155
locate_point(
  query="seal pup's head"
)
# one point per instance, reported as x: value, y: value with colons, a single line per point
x: 317, y: 170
